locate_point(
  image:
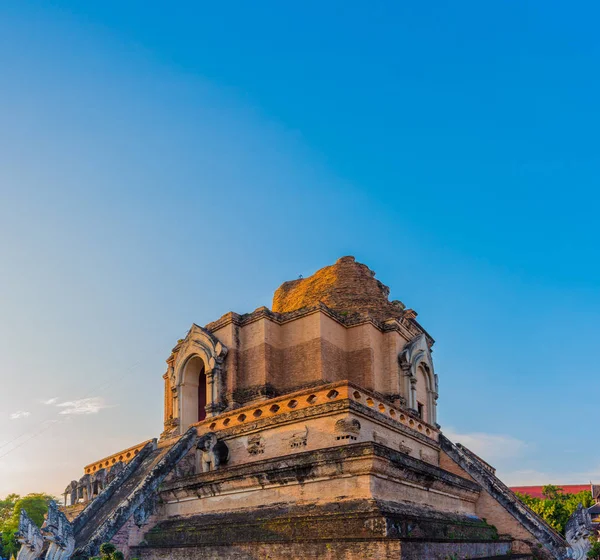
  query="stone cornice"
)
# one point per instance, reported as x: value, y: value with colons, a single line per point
x: 405, y: 325
x: 279, y: 465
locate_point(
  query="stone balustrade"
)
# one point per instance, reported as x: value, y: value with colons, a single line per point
x: 121, y: 457
x: 316, y: 396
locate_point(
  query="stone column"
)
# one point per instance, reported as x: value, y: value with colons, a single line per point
x: 210, y: 393
x: 168, y: 399
x: 431, y: 407
x: 174, y: 412
x: 405, y: 368
x: 214, y: 393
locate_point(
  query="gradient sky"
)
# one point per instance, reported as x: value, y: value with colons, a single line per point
x: 164, y: 163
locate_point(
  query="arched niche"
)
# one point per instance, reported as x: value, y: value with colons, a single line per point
x: 195, y: 379
x: 425, y: 391
x: 193, y: 391
x: 420, y: 381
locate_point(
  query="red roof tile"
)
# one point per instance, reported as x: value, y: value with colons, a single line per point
x: 536, y: 491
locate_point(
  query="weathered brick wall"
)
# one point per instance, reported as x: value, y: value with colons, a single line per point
x: 131, y: 535
x: 449, y: 465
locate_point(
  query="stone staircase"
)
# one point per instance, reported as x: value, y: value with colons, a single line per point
x: 128, y: 494
x: 553, y: 543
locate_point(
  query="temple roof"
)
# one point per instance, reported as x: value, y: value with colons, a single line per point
x: 348, y: 287
x: 537, y: 491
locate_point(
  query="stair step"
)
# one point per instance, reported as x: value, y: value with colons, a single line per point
x: 509, y: 557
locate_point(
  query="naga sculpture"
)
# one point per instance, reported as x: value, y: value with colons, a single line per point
x: 578, y: 531
x: 58, y: 531
x: 30, y: 537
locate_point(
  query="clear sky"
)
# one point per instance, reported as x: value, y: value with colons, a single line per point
x: 164, y: 163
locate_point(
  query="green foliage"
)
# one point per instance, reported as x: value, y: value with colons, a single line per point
x: 594, y: 552
x: 557, y: 506
x: 107, y: 549
x: 6, y: 507
x: 36, y: 506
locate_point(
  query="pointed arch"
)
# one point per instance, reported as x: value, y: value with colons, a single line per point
x: 197, y: 378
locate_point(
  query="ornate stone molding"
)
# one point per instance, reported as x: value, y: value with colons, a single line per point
x: 58, y: 531
x: 414, y: 355
x: 30, y: 537
x: 201, y: 343
x: 578, y: 531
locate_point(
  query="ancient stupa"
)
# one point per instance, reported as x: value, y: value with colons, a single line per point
x: 308, y: 430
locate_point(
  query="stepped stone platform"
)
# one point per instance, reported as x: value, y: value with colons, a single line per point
x: 356, y: 529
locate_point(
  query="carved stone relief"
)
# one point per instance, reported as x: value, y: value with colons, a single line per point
x: 427, y: 457
x: 404, y: 448
x: 186, y: 467
x: 299, y: 439
x: 578, y: 531
x: 30, y: 538
x: 378, y: 438
x: 347, y: 428
x: 256, y: 444
x: 143, y: 513
x: 58, y: 531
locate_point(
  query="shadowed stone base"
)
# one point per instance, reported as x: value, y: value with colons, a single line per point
x: 348, y: 530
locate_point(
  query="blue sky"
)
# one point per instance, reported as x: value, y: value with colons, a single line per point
x: 162, y: 165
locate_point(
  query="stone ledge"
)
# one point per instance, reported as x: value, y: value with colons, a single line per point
x: 333, y: 462
x: 408, y: 327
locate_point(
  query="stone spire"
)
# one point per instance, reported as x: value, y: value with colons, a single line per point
x: 347, y: 287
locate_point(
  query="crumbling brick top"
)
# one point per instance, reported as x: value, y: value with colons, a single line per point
x: 348, y: 287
